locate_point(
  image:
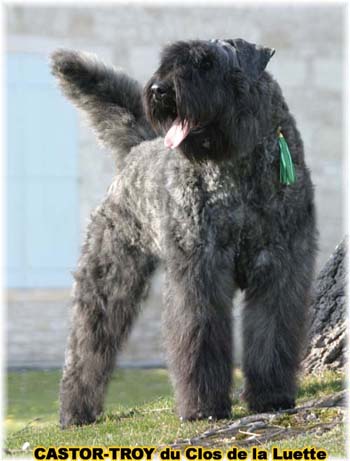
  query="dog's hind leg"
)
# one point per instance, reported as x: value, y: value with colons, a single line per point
x: 274, y: 324
x: 198, y: 334
x: 111, y: 280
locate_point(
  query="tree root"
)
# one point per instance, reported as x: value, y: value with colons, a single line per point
x: 265, y: 427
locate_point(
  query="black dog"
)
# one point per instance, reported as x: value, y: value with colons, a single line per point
x: 212, y: 206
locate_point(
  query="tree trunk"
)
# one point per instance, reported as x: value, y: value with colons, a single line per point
x: 327, y: 335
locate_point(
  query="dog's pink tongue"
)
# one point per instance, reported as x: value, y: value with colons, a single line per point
x: 176, y: 134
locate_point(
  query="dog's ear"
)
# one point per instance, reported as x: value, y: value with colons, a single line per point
x: 252, y: 58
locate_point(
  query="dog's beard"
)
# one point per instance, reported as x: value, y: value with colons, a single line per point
x: 189, y: 125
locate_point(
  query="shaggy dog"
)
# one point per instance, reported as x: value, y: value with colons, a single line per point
x: 208, y: 201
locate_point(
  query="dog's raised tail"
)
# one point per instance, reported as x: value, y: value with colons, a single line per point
x: 111, y: 100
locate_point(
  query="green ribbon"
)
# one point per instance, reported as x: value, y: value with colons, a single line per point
x: 287, y: 171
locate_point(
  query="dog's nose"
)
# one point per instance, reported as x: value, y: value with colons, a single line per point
x: 158, y: 90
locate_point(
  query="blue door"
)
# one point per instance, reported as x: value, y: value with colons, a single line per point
x: 42, y: 214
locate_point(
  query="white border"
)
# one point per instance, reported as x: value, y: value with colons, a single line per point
x: 346, y: 192
x: 183, y: 3
x: 218, y: 3
x: 2, y: 218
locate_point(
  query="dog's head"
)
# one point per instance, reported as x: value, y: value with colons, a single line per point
x: 204, y: 97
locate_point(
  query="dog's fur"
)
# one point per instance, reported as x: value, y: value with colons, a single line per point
x: 213, y: 210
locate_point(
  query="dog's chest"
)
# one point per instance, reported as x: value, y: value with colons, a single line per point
x: 213, y: 206
x: 203, y: 207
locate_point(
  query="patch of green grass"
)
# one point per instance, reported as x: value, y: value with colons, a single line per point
x: 139, y: 411
x: 332, y: 441
x: 34, y: 394
x: 319, y: 386
x: 321, y: 415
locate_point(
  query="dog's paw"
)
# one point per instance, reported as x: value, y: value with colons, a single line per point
x: 269, y: 402
x: 268, y: 406
x: 78, y: 419
x: 207, y: 414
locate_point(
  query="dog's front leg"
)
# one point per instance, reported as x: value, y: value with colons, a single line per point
x: 198, y: 334
x: 274, y: 325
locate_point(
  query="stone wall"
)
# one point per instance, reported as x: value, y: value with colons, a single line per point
x: 309, y: 60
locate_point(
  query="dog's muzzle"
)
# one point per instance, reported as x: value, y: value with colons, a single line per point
x: 158, y: 91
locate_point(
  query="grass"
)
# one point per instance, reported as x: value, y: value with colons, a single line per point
x: 139, y: 411
x: 34, y: 394
x: 333, y: 441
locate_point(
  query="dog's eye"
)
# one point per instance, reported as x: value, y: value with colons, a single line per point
x: 206, y: 64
